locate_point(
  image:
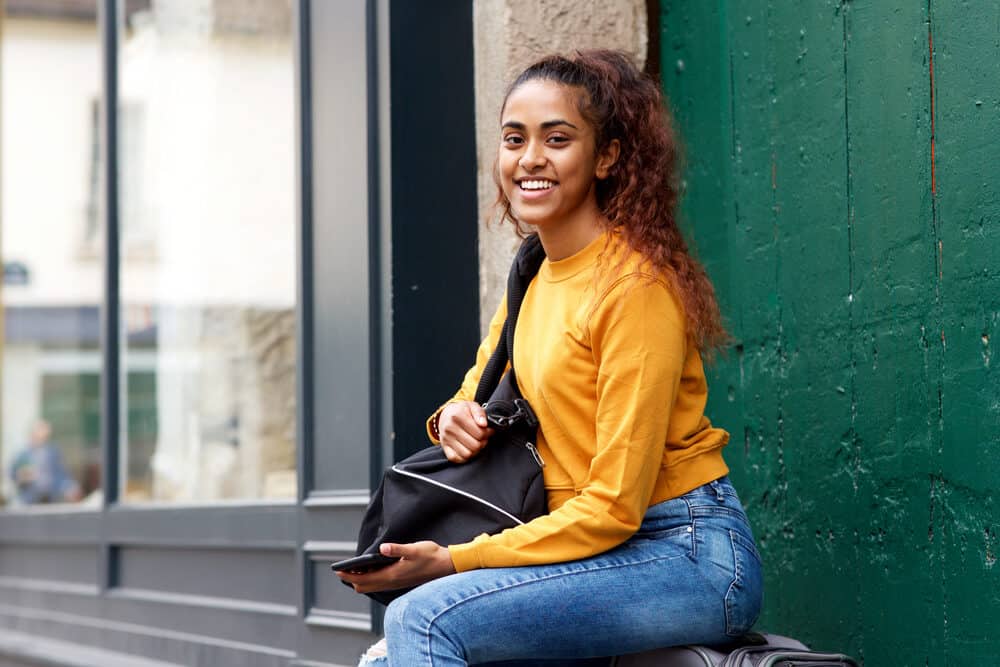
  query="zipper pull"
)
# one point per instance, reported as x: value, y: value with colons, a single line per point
x: 534, y: 453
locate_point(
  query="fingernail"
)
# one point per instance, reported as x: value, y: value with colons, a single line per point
x: 385, y: 549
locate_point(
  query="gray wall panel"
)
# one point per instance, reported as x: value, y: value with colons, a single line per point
x: 333, y: 523
x: 237, y: 574
x: 334, y: 645
x: 186, y: 650
x: 240, y: 524
x: 134, y: 617
x: 49, y: 562
x: 329, y: 595
x: 49, y: 527
x: 33, y: 594
x: 207, y: 620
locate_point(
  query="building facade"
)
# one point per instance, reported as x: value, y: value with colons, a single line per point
x: 231, y: 234
x: 221, y: 243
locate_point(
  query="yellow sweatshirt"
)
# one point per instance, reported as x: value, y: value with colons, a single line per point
x: 619, y: 391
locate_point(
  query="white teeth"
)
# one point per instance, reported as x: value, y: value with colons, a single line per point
x: 536, y: 185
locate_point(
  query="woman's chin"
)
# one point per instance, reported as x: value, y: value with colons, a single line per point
x: 530, y: 217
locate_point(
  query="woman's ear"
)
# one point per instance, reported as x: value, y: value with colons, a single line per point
x: 607, y: 159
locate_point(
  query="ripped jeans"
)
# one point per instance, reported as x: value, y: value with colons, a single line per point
x: 690, y: 575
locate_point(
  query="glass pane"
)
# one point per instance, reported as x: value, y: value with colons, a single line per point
x: 208, y: 251
x: 50, y: 245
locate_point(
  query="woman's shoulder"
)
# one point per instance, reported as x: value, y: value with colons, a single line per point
x: 631, y: 287
x: 623, y: 271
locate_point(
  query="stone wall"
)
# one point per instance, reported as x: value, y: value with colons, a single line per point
x: 509, y: 35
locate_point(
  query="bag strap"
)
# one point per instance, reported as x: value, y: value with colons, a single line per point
x: 524, y: 267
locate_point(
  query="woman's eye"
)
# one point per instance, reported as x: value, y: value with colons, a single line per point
x: 558, y: 139
x: 513, y: 140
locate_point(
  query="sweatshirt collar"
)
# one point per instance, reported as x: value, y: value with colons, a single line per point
x: 570, y: 266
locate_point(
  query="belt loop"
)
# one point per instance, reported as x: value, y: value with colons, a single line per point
x: 718, y: 490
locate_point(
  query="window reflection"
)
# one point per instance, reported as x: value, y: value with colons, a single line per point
x: 208, y: 251
x: 50, y: 359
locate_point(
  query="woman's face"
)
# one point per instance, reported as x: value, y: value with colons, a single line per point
x: 547, y: 160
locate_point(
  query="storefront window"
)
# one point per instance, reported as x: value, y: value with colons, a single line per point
x: 208, y: 259
x: 50, y: 359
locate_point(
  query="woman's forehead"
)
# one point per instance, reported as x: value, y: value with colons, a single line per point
x: 541, y: 97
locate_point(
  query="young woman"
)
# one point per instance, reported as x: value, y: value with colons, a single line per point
x: 646, y: 543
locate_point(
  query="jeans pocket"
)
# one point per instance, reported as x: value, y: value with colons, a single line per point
x: 743, y: 598
x: 676, y: 540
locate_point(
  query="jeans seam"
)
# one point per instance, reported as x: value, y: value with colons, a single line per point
x: 737, y: 580
x: 693, y: 555
x: 444, y: 611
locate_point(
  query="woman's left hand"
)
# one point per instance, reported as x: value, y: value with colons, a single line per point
x: 418, y: 563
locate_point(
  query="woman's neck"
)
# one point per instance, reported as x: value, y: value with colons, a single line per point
x: 566, y: 238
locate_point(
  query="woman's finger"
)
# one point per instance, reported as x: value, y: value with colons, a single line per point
x: 478, y: 415
x: 455, y: 453
x: 471, y: 418
x: 464, y: 439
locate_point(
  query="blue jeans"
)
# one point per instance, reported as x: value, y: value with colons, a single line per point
x: 691, y: 574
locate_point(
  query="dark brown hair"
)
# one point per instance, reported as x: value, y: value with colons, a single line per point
x: 640, y: 195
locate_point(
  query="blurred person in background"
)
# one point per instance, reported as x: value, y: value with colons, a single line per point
x: 38, y: 471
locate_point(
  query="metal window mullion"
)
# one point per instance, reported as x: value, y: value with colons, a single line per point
x: 379, y: 252
x: 305, y: 295
x: 108, y: 11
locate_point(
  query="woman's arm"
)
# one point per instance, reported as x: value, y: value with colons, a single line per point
x: 638, y: 342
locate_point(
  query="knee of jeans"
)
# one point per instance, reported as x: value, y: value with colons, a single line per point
x: 402, y: 618
x: 414, y: 618
x: 393, y: 617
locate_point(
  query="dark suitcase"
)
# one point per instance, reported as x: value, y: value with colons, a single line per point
x: 754, y: 650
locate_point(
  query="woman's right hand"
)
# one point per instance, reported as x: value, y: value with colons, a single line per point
x: 463, y: 430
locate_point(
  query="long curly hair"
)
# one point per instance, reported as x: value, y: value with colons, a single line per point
x: 639, y: 197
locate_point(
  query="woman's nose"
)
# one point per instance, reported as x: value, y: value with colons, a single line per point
x: 533, y: 157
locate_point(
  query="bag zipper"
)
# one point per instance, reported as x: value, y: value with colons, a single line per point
x: 459, y: 492
x: 534, y: 452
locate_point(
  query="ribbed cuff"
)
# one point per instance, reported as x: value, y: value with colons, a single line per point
x: 430, y: 420
x: 465, y: 557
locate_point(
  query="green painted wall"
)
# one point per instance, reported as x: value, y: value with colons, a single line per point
x: 843, y: 189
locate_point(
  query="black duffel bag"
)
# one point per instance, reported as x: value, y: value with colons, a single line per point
x: 427, y: 497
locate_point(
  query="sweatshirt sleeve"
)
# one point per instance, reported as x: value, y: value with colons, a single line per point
x: 467, y: 392
x: 638, y: 342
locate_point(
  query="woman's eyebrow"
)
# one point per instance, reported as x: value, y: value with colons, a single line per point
x: 516, y: 125
x: 558, y: 121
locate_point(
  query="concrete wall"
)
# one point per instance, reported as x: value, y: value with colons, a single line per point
x: 842, y: 190
x: 510, y: 34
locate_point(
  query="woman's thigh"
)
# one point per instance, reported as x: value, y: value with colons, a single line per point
x: 652, y: 591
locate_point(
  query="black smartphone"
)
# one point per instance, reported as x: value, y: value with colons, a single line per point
x: 362, y: 564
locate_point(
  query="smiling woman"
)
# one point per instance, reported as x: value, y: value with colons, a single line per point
x: 608, y: 346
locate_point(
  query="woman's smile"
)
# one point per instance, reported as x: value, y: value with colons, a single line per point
x: 533, y: 189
